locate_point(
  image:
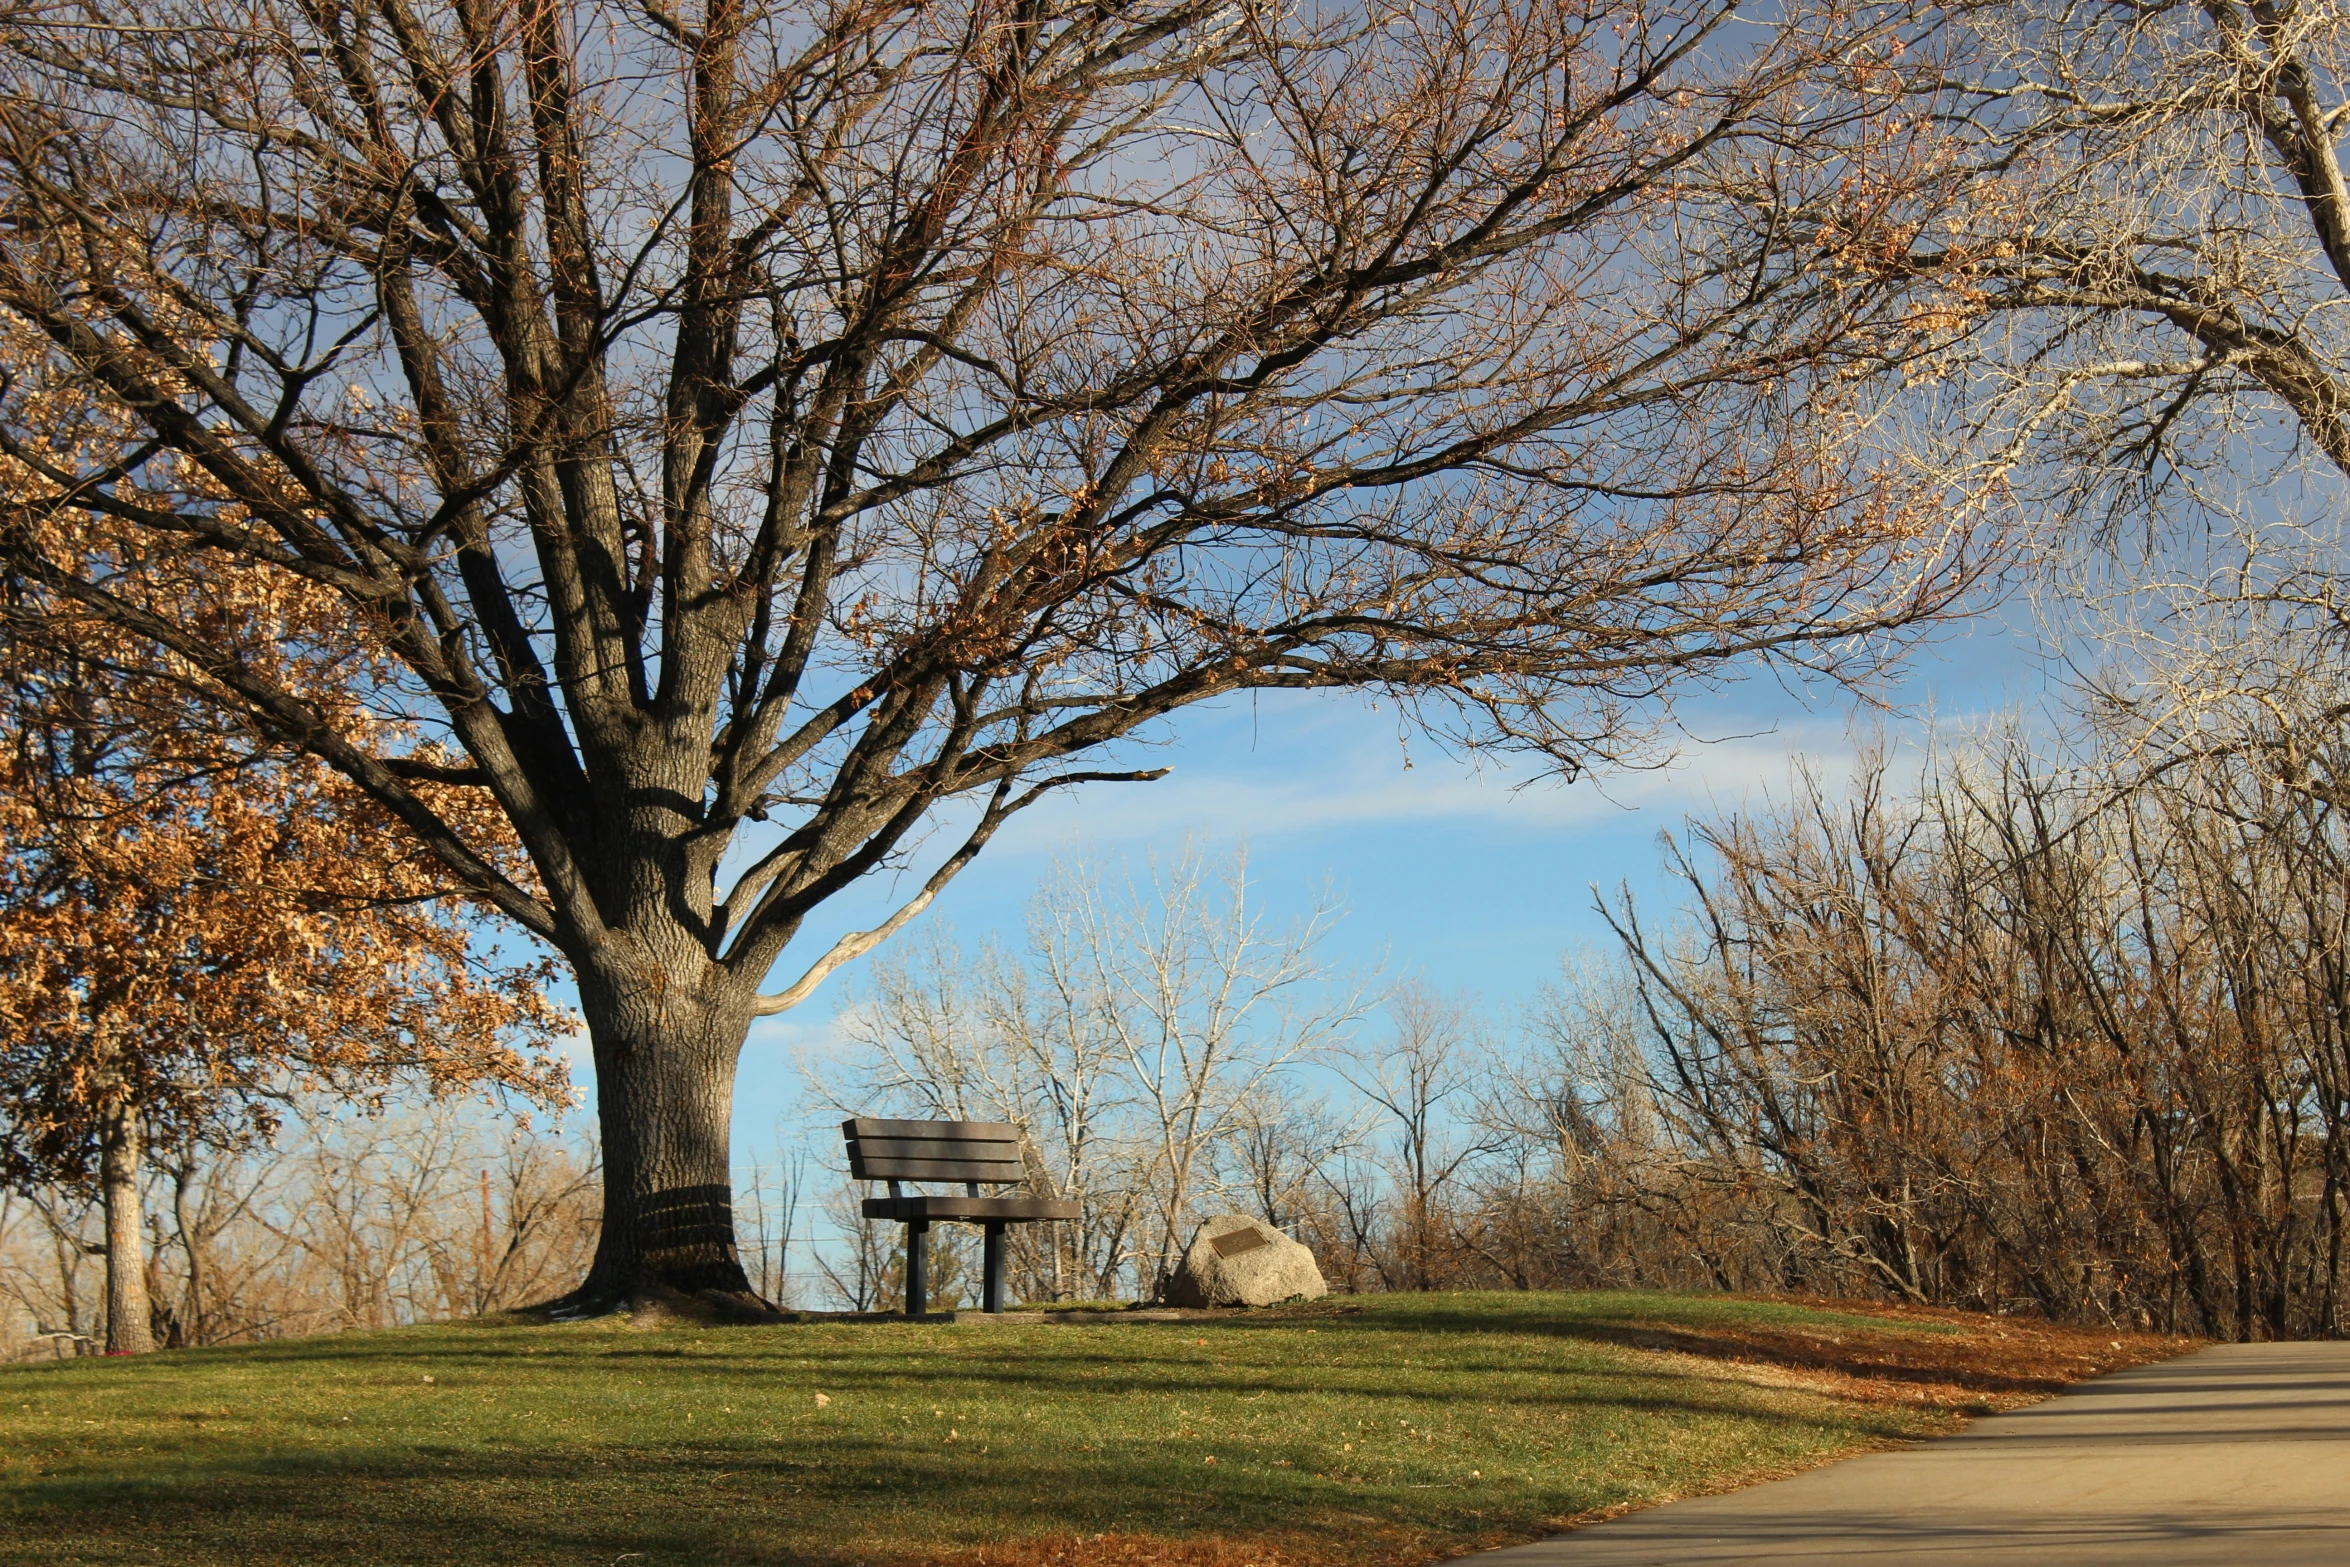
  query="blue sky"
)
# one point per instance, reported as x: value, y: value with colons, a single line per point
x: 1470, y: 876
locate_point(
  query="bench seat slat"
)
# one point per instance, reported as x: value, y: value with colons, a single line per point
x: 936, y: 1148
x: 865, y: 1169
x: 1012, y: 1210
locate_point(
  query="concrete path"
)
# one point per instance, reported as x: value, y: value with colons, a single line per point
x: 2239, y: 1454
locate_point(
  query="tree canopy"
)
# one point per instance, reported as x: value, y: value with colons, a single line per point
x: 754, y: 428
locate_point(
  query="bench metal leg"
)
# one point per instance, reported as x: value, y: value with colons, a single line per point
x: 994, y: 1301
x: 918, y: 1268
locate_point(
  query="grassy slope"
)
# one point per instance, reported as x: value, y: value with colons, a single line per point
x: 1382, y: 1430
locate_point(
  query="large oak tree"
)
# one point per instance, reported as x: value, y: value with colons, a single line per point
x: 764, y: 429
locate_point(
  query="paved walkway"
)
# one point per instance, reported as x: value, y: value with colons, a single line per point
x: 2239, y: 1454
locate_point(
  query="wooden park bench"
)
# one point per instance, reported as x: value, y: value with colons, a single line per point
x: 976, y: 1153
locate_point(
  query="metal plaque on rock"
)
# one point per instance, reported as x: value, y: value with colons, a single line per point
x: 1239, y: 1242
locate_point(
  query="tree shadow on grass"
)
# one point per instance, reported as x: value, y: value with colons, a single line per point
x: 846, y: 1505
x: 1504, y: 1358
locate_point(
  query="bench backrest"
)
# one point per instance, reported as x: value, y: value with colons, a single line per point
x: 975, y: 1151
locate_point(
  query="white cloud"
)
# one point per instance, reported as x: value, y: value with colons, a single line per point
x: 1351, y: 780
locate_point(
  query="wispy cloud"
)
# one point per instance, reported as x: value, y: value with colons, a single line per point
x: 1344, y: 779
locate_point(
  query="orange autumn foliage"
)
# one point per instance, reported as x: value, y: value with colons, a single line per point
x: 195, y: 917
x: 192, y: 944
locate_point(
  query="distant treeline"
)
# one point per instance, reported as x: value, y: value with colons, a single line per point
x: 426, y: 1211
x: 2070, y: 1040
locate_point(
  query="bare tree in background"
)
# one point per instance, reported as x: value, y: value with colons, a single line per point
x: 1409, y: 1078
x: 2145, y: 311
x: 1583, y: 1176
x: 756, y: 427
x: 1143, y: 1039
x: 1048, y: 1013
x: 1283, y: 1149
x: 860, y: 1278
x: 938, y: 1035
x: 2063, y: 1035
x: 429, y: 1210
x: 1210, y: 1006
x: 768, y: 1224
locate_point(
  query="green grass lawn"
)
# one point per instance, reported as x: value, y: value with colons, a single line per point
x: 1383, y: 1429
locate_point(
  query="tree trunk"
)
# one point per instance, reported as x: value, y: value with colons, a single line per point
x: 129, y: 1329
x: 179, y: 1218
x: 665, y: 1061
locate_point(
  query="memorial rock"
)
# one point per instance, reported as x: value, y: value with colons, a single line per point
x: 1239, y: 1261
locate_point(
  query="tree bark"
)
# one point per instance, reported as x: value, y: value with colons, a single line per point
x: 129, y: 1328
x: 665, y: 1058
x: 195, y: 1253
